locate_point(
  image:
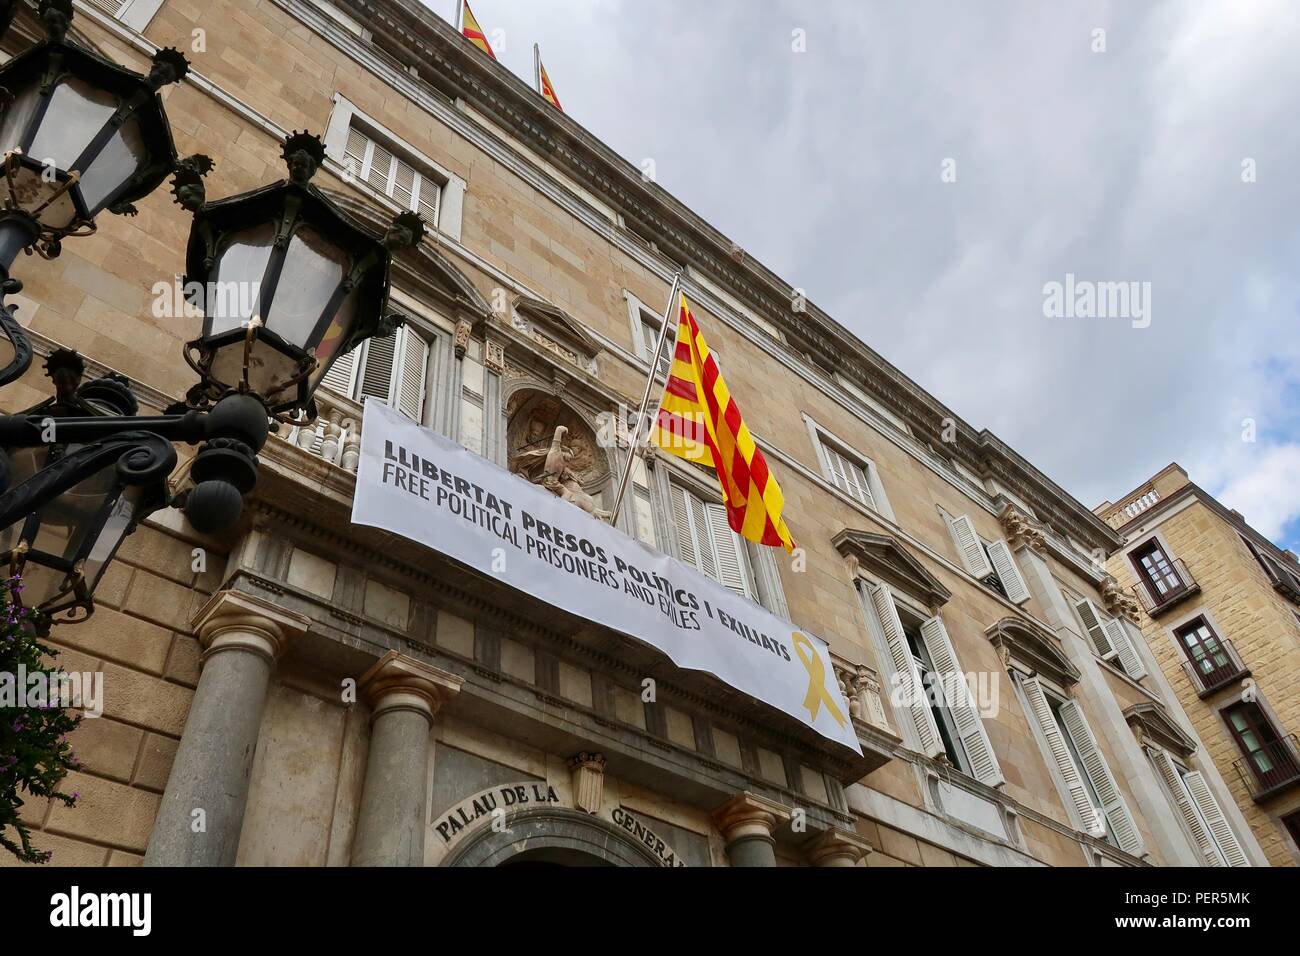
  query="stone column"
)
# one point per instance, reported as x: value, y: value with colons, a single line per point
x: 836, y: 847
x: 202, y: 809
x: 404, y: 695
x: 748, y: 822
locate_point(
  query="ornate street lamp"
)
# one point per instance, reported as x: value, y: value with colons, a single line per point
x: 287, y: 283
x: 63, y: 547
x: 78, y: 135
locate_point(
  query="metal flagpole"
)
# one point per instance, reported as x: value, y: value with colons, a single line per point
x: 537, y: 67
x: 635, y: 443
x: 460, y: 17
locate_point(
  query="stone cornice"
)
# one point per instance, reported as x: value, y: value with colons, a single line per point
x: 508, y: 102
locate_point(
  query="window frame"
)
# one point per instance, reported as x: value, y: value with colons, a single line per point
x: 452, y: 188
x: 821, y: 437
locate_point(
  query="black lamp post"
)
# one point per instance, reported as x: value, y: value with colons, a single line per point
x: 78, y: 134
x: 287, y: 283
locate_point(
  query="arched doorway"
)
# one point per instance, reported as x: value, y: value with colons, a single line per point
x: 550, y: 836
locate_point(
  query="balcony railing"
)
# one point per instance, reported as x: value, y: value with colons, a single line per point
x: 1273, y: 768
x: 1132, y: 506
x: 1213, y: 671
x: 1154, y: 601
x: 336, y: 434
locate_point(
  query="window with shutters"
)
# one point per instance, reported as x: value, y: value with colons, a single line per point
x: 1109, y: 637
x: 378, y: 166
x: 991, y: 562
x: 647, y: 327
x: 134, y: 13
x: 706, y: 542
x: 932, y: 687
x: 1284, y: 576
x: 1103, y: 789
x: 393, y: 370
x: 851, y: 472
x: 1202, y: 816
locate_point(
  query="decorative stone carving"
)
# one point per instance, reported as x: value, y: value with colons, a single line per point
x: 463, y: 330
x: 494, y: 357
x: 588, y: 770
x: 551, y: 446
x: 861, y: 687
x: 1021, y: 530
x: 1118, y: 601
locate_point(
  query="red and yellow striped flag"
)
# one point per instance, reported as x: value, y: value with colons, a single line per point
x: 698, y: 420
x: 547, y: 91
x: 472, y: 32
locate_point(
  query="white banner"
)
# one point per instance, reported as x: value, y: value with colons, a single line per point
x: 413, y: 482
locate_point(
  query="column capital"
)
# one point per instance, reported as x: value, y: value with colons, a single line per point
x: 748, y: 815
x: 837, y: 847
x: 398, y: 681
x: 232, y: 620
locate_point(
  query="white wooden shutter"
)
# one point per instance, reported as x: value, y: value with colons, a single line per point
x: 1121, y: 821
x: 355, y: 152
x: 682, y: 523
x: 969, y: 546
x: 340, y: 376
x: 848, y: 475
x: 1013, y: 582
x: 1128, y: 655
x: 1075, y: 788
x: 1186, y: 806
x: 700, y: 531
x: 1092, y: 620
x: 726, y: 547
x: 882, y: 600
x: 957, y: 695
x: 376, y: 378
x: 411, y: 371
x: 1214, y: 818
x: 428, y: 195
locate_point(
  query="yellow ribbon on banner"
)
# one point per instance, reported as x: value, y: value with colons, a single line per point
x: 817, y: 692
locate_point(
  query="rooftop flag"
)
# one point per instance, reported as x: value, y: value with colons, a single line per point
x: 544, y: 82
x: 471, y: 31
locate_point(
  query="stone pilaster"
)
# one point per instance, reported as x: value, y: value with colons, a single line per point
x: 747, y: 823
x: 202, y: 808
x: 588, y: 770
x: 836, y: 847
x: 404, y: 695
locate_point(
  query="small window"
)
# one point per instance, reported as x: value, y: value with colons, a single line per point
x: 1292, y: 824
x: 379, y: 167
x: 1157, y: 571
x: 850, y: 472
x: 1270, y: 757
x: 706, y: 542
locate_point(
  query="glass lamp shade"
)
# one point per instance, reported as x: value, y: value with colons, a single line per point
x: 62, y: 550
x: 289, y: 284
x: 66, y: 157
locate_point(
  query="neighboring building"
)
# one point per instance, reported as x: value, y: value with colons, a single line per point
x: 531, y: 304
x: 1222, y: 616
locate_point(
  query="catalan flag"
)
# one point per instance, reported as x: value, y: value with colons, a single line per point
x: 544, y: 87
x: 698, y: 420
x: 472, y: 32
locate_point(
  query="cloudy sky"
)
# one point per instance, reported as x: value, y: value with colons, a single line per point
x: 1131, y: 163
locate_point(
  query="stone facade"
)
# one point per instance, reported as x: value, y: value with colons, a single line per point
x: 1231, y: 588
x: 368, y: 701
